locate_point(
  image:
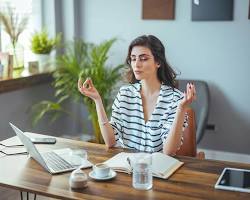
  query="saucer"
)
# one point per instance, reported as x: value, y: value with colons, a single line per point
x: 112, y: 174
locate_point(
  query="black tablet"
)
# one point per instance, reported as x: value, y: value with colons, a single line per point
x: 234, y: 179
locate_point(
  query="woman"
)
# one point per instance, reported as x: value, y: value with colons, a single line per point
x: 149, y: 113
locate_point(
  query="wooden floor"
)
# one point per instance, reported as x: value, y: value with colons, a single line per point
x: 9, y: 194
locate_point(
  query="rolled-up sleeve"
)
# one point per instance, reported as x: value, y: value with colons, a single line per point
x: 171, y: 113
x: 116, y: 121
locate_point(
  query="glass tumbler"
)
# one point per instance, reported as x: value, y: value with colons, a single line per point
x: 78, y: 156
x: 142, y: 171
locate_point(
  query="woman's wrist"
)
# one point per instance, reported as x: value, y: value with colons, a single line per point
x: 98, y: 100
x: 181, y: 108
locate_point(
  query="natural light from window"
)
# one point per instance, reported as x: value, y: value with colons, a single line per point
x: 22, y: 7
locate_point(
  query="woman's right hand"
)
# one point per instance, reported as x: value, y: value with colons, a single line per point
x: 189, y: 96
x: 88, y: 89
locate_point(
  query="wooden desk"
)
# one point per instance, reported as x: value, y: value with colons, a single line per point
x: 195, y: 180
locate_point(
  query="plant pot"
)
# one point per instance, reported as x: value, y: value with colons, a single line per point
x: 97, y: 131
x: 44, y: 61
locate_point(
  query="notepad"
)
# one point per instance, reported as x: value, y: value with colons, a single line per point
x: 163, y: 166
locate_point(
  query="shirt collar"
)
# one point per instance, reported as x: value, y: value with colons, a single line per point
x: 137, y: 87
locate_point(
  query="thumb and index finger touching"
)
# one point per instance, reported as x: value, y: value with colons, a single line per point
x: 190, y: 92
x: 189, y: 95
x: 87, y: 83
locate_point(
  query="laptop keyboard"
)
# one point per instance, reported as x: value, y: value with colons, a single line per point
x: 56, y: 162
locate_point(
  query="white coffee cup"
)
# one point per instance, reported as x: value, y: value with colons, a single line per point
x: 101, y: 170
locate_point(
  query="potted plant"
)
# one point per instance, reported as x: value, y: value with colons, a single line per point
x: 42, y: 45
x: 14, y: 24
x: 84, y: 60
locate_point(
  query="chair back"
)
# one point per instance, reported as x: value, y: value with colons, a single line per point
x: 188, y: 148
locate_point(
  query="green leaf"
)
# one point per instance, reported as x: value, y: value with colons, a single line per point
x: 41, y: 43
x: 81, y: 60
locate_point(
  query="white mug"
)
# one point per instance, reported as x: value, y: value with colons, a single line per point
x: 101, y: 170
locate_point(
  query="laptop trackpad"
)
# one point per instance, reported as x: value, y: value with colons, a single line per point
x: 75, y: 157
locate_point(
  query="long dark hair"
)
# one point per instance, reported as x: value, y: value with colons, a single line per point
x: 165, y: 73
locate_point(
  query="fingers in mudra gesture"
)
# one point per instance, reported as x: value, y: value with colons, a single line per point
x: 189, y: 95
x: 88, y: 89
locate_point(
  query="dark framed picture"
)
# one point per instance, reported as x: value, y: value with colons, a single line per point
x: 212, y: 10
x: 249, y: 11
x: 158, y: 9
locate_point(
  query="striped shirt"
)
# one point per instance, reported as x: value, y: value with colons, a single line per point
x: 127, y: 120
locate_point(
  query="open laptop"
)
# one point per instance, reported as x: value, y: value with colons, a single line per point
x: 51, y: 161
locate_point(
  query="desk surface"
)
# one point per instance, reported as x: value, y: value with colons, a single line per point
x: 195, y: 180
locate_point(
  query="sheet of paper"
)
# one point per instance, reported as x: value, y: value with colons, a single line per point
x: 13, y: 141
x: 14, y: 150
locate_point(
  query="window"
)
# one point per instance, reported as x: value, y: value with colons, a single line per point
x: 23, y: 7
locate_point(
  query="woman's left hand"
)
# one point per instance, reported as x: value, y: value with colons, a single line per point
x: 189, y: 96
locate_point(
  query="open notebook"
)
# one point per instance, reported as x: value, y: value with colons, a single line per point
x: 163, y: 165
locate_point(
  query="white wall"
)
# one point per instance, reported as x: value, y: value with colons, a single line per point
x: 217, y: 52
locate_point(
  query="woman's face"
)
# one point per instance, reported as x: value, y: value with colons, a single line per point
x: 143, y: 63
